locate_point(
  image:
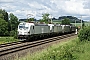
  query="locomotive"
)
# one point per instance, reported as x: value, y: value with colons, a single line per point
x: 27, y: 30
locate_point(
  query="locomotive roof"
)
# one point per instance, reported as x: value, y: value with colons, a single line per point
x: 50, y: 24
x: 44, y: 24
x: 25, y: 23
x: 65, y: 25
x: 41, y: 25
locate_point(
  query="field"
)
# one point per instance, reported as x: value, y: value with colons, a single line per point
x: 7, y: 39
x: 77, y: 24
x: 69, y: 50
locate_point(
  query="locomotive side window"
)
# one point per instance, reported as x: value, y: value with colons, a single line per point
x: 33, y: 27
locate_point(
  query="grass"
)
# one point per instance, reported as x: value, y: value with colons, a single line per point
x: 7, y: 39
x: 69, y: 50
x: 84, y: 52
x: 79, y: 24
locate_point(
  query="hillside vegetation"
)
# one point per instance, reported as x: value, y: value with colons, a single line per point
x: 70, y: 50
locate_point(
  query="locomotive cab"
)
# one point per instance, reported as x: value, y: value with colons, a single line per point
x: 24, y: 30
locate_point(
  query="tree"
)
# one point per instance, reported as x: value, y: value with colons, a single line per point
x: 41, y: 20
x: 46, y: 17
x: 84, y: 34
x: 3, y: 27
x: 8, y: 27
x: 66, y: 21
x: 83, y: 25
x: 4, y: 15
x: 1, y: 16
x: 13, y: 22
x: 30, y: 19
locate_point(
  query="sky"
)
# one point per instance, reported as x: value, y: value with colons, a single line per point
x: 56, y: 8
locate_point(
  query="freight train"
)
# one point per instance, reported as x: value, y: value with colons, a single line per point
x: 32, y: 31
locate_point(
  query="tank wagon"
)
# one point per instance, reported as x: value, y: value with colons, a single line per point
x: 30, y: 31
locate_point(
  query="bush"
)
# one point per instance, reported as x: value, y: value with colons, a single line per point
x: 84, y: 34
x: 13, y: 33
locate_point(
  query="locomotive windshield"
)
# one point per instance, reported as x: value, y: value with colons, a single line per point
x: 23, y: 27
x: 20, y: 27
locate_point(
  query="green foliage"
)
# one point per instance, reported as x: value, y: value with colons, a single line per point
x: 67, y: 51
x: 41, y: 20
x: 46, y: 17
x: 13, y: 22
x: 13, y: 33
x: 71, y: 50
x: 66, y: 21
x: 3, y: 27
x: 7, y: 26
x: 29, y: 20
x: 83, y: 25
x: 1, y: 16
x: 4, y: 15
x: 7, y: 40
x: 84, y: 34
x: 58, y: 54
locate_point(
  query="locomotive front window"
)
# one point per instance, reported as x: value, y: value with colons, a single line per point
x: 23, y: 27
x: 20, y: 27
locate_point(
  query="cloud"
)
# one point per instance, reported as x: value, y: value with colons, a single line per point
x: 6, y: 1
x: 86, y: 4
x: 55, y: 7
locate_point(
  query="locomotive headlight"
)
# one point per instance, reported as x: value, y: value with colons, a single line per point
x: 26, y: 32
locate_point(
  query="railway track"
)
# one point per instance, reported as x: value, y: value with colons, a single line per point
x: 18, y: 46
x: 9, y: 44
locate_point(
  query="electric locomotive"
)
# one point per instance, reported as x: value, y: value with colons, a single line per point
x: 27, y: 30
